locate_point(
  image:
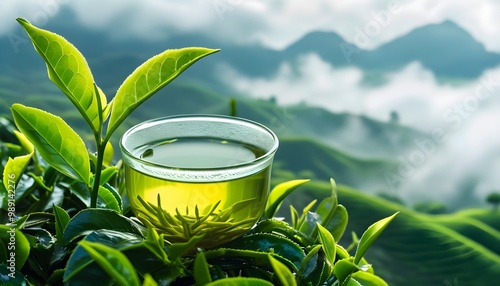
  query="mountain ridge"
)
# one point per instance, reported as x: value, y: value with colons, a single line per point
x: 435, y: 46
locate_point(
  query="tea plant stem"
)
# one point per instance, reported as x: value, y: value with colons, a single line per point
x: 98, y: 169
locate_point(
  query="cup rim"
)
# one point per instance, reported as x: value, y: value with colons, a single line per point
x: 199, y: 117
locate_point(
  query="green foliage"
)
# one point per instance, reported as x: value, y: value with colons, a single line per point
x: 150, y: 77
x: 279, y: 193
x: 69, y: 70
x: 422, y: 249
x: 73, y: 225
x: 55, y: 141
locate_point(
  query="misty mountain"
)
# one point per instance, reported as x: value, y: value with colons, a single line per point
x: 437, y: 47
x: 446, y: 49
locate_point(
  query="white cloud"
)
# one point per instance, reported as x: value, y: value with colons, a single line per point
x: 275, y: 23
x: 465, y: 113
x: 412, y: 91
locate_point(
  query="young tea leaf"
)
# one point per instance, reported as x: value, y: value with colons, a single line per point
x: 109, y: 153
x: 328, y: 243
x: 149, y: 281
x: 110, y: 198
x: 368, y: 279
x: 69, y: 70
x: 335, y: 220
x: 285, y: 276
x: 106, y: 174
x: 370, y: 235
x: 25, y: 143
x: 62, y: 219
x: 201, y: 271
x: 14, y: 169
x: 278, y: 194
x: 113, y: 262
x: 309, y: 263
x: 343, y: 270
x: 150, y: 77
x: 56, y: 142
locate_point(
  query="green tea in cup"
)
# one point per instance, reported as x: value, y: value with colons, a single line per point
x: 198, y: 175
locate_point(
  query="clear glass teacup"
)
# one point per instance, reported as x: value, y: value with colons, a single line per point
x: 201, y: 175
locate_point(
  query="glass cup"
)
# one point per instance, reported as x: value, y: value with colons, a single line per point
x: 203, y: 176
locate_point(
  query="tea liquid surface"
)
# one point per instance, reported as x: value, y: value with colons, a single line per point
x: 231, y: 204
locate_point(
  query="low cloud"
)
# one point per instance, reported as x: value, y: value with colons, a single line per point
x: 413, y: 92
x: 464, y: 113
x: 275, y: 24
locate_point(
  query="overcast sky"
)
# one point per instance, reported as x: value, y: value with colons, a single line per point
x: 275, y: 23
x: 423, y: 101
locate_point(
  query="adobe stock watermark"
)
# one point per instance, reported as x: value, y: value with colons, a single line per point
x: 454, y: 116
x: 364, y: 36
x: 11, y: 212
x: 221, y: 7
x: 48, y: 9
x: 281, y: 120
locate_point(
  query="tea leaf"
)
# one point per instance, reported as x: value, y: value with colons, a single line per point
x: 11, y: 278
x: 155, y: 243
x: 285, y: 276
x: 304, y: 219
x: 149, y: 78
x: 113, y: 262
x: 201, y: 271
x: 178, y: 249
x: 69, y: 70
x: 294, y: 217
x: 309, y: 263
x: 353, y: 282
x: 25, y: 143
x: 343, y: 270
x: 328, y: 243
x: 106, y: 174
x: 370, y: 235
x: 266, y: 242
x: 334, y: 217
x: 80, y: 266
x: 22, y: 244
x: 240, y: 281
x: 110, y: 198
x: 368, y: 279
x: 278, y: 194
x: 88, y: 220
x: 149, y: 281
x: 109, y: 153
x: 56, y: 142
x: 61, y: 221
x: 14, y: 169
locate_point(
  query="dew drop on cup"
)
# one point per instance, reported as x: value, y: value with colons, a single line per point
x: 198, y: 175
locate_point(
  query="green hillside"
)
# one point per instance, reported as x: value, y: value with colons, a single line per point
x: 487, y: 216
x: 473, y: 229
x: 418, y: 249
x: 307, y: 158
